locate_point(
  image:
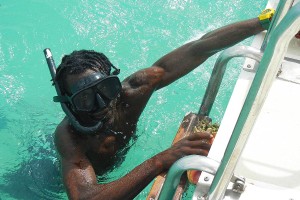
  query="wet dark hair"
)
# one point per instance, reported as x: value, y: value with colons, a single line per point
x: 78, y: 62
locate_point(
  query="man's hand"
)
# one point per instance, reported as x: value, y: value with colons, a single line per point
x: 195, y: 144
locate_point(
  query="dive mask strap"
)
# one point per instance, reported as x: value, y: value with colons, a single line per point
x: 116, y: 71
x: 61, y: 99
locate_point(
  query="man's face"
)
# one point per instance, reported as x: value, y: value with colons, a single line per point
x: 90, y: 94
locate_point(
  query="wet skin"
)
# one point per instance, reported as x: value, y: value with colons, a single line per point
x: 82, y: 156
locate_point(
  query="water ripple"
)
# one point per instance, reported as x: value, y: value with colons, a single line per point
x: 11, y: 89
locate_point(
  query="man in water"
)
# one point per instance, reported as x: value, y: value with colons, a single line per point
x: 93, y: 95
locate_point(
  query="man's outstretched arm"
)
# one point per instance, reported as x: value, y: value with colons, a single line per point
x: 187, y: 57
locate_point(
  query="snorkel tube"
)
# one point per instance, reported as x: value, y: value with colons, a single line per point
x: 73, y: 120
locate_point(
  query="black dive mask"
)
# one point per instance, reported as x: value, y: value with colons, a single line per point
x: 92, y: 92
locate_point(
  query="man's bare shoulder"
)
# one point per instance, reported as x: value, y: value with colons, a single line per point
x: 137, y: 89
x: 62, y: 131
x: 140, y: 85
x: 65, y: 140
x: 144, y: 77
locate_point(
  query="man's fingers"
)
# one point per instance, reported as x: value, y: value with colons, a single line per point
x: 203, y: 144
x: 199, y: 136
x: 201, y: 152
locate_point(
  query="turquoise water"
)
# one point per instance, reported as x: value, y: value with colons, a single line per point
x: 133, y: 34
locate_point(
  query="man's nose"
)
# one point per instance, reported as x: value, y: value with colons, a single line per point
x: 100, y: 101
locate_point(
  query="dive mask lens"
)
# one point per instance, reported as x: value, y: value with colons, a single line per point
x: 84, y: 100
x: 109, y: 87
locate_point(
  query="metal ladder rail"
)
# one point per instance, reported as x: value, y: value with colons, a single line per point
x: 266, y: 73
x: 219, y: 70
x: 211, y: 92
x: 196, y: 162
x: 202, y: 163
x: 281, y: 10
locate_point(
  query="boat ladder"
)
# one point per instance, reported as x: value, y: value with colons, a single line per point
x: 285, y: 25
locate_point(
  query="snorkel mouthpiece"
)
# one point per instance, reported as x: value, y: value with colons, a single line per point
x: 73, y: 120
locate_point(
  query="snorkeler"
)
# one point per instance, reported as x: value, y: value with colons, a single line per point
x: 102, y: 112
